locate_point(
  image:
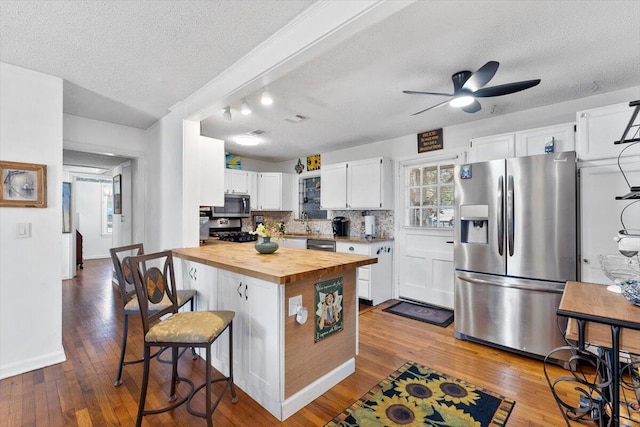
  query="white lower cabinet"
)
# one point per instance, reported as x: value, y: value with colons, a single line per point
x: 375, y: 280
x: 202, y: 278
x: 258, y: 340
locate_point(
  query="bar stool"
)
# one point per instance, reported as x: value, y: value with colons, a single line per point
x: 154, y: 281
x: 130, y: 304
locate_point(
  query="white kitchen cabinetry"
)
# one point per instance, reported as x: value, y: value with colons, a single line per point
x: 275, y: 191
x: 256, y: 348
x: 293, y: 242
x: 252, y: 177
x: 599, y: 128
x: 363, y: 184
x: 523, y: 143
x: 333, y: 193
x: 375, y: 280
x: 236, y: 181
x: 202, y: 278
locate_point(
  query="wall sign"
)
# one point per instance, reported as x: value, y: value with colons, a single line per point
x: 430, y: 140
x: 328, y: 319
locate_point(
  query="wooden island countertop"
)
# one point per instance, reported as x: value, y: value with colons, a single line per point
x: 284, y: 266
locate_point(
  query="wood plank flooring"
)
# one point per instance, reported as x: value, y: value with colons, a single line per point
x: 80, y: 391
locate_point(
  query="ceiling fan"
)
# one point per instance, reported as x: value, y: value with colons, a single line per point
x: 468, y: 86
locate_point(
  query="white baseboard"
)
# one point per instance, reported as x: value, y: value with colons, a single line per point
x: 32, y: 364
x: 308, y: 394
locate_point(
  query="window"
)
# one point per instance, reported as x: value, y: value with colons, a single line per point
x: 309, y: 198
x: 429, y: 196
x: 107, y: 208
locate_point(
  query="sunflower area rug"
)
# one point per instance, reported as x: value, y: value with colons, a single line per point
x: 415, y: 395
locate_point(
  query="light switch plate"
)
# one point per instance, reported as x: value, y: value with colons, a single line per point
x: 294, y: 303
x: 23, y: 230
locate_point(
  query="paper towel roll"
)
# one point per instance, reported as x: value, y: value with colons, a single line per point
x: 370, y: 225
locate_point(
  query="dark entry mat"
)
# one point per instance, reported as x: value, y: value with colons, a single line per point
x: 425, y: 313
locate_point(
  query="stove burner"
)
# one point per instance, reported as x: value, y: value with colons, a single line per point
x: 237, y: 236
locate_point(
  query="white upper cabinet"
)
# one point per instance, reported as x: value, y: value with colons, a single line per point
x: 333, y: 193
x: 599, y: 128
x: 523, y: 143
x: 492, y: 148
x: 363, y: 184
x: 275, y: 191
x: 252, y: 178
x: 535, y: 141
x: 236, y: 181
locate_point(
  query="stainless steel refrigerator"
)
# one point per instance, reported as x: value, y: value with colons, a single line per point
x: 515, y: 246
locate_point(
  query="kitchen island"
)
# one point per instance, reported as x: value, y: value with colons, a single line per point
x: 281, y: 363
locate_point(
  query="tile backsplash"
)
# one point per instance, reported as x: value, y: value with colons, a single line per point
x: 384, y: 223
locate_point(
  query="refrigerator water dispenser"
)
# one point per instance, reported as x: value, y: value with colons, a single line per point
x: 474, y: 224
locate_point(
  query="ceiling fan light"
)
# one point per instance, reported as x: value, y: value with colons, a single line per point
x: 461, y: 101
x: 247, y: 140
x: 266, y: 98
x: 227, y: 114
x: 244, y: 109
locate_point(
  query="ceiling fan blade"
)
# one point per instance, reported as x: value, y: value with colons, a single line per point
x: 482, y: 76
x: 432, y: 107
x: 413, y: 92
x: 505, y: 88
x: 474, y: 107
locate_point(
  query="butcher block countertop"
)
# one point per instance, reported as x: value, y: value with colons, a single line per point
x: 284, y: 266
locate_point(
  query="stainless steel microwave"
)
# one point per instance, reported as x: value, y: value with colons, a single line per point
x: 235, y: 206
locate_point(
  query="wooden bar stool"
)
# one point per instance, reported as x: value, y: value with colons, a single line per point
x: 130, y: 304
x: 154, y: 281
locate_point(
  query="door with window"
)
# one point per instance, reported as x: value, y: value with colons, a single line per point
x: 425, y: 252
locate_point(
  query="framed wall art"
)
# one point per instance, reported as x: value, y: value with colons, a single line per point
x: 328, y: 313
x: 313, y: 162
x: 117, y: 196
x: 24, y: 185
x: 66, y: 207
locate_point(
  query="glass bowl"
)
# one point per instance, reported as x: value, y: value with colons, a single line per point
x: 631, y: 291
x: 619, y: 268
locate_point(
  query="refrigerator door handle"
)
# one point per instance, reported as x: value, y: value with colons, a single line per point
x: 500, y: 218
x: 551, y: 289
x: 510, y: 214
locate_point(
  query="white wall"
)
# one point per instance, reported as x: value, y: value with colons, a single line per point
x: 30, y: 285
x: 88, y: 195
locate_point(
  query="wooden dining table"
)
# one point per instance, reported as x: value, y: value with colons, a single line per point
x: 605, y: 319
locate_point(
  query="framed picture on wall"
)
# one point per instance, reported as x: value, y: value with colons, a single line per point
x: 23, y: 185
x: 117, y: 196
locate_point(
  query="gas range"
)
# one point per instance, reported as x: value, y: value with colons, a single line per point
x: 237, y: 236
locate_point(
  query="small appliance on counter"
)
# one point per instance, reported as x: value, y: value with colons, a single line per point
x: 340, y: 226
x: 370, y: 226
x: 257, y: 220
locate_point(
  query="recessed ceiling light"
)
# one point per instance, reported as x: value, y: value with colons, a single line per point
x: 245, y: 108
x: 461, y: 101
x: 296, y: 119
x: 247, y: 140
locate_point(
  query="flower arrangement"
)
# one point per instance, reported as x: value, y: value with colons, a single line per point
x: 268, y: 229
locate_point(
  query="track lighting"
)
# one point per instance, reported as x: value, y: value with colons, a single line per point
x: 266, y: 98
x: 245, y: 108
x: 227, y: 114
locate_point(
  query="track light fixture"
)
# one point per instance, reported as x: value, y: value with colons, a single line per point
x: 227, y: 113
x: 244, y: 109
x: 266, y: 98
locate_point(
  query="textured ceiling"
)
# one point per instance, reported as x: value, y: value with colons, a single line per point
x: 128, y: 62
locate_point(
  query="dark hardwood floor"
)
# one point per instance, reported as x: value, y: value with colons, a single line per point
x: 80, y: 391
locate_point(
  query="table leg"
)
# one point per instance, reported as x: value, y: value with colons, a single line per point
x: 615, y: 375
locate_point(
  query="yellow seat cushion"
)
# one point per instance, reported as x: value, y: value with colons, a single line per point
x: 133, y: 307
x: 190, y: 327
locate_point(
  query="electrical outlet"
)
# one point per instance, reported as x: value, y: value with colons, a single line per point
x: 294, y: 303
